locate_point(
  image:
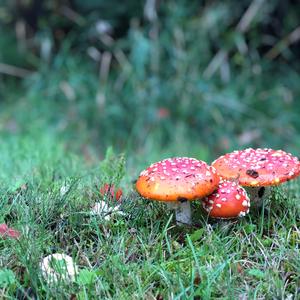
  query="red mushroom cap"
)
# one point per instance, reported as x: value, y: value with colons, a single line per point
x: 258, y: 167
x: 110, y: 191
x: 175, y: 179
x: 229, y: 201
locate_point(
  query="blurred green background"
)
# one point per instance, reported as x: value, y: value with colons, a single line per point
x: 151, y: 78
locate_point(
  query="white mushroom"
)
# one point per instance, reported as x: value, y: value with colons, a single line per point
x: 58, y: 267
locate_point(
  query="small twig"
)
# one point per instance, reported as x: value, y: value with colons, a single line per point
x: 290, y: 39
x: 72, y: 15
x: 82, y: 254
x: 20, y: 29
x: 105, y: 65
x: 150, y: 10
x: 125, y: 67
x: 14, y: 71
x: 106, y: 39
x: 215, y: 63
x: 249, y: 15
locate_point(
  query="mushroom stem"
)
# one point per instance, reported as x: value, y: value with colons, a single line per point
x: 183, y: 212
x: 258, y: 194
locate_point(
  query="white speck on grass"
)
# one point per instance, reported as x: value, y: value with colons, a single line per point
x: 102, y: 209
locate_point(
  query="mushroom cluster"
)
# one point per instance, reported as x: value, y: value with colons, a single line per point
x: 258, y: 169
x: 226, y: 188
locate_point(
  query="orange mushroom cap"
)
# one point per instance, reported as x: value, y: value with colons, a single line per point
x: 176, y: 179
x: 229, y: 201
x: 258, y: 167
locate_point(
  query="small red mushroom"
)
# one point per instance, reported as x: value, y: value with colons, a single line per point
x: 110, y: 191
x: 228, y: 201
x: 178, y: 181
x: 5, y: 231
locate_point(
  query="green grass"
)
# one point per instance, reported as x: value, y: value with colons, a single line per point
x: 57, y: 128
x: 142, y: 255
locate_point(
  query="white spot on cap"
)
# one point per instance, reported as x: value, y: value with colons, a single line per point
x: 245, y: 203
x: 218, y: 205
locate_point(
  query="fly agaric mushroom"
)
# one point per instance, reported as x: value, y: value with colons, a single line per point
x: 257, y: 169
x: 178, y: 181
x: 228, y: 201
x: 111, y: 192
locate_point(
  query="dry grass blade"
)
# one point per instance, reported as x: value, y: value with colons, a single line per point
x: 14, y: 71
x: 292, y: 38
x: 242, y: 27
x: 249, y: 15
